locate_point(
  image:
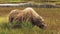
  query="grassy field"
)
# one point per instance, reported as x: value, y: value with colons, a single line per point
x: 39, y: 1
x: 51, y: 16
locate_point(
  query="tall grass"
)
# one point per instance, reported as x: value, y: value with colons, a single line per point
x: 22, y: 28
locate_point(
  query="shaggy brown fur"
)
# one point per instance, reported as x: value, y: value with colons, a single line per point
x: 27, y: 14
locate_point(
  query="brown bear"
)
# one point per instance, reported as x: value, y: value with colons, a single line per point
x: 28, y: 14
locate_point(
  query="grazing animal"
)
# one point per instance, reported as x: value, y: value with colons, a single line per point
x: 28, y: 14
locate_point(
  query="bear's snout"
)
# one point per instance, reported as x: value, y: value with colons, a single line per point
x: 43, y: 26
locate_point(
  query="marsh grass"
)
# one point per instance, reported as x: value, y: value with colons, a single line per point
x: 25, y: 28
x: 22, y: 28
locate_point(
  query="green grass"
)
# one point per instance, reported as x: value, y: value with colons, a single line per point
x: 26, y: 28
x: 50, y: 15
x: 11, y: 0
x: 7, y: 1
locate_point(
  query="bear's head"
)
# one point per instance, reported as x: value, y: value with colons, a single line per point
x: 39, y: 22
